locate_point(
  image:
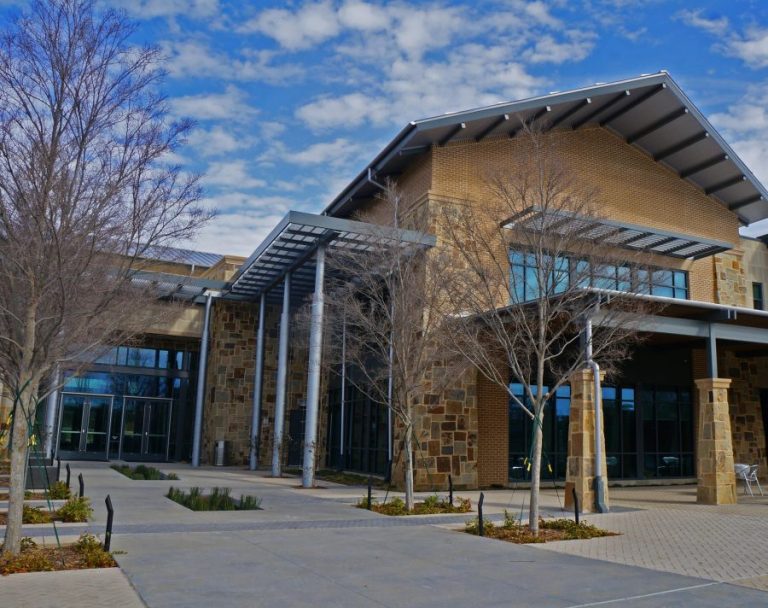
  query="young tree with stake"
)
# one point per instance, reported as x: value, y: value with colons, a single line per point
x: 85, y: 196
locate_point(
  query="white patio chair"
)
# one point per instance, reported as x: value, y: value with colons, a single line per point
x: 742, y: 473
x: 748, y: 474
x: 752, y: 479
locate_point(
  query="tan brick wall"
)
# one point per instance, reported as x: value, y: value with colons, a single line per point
x: 631, y: 187
x: 492, y: 433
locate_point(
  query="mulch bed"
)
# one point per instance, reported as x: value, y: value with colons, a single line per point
x: 431, y: 506
x: 549, y: 531
x: 79, y: 556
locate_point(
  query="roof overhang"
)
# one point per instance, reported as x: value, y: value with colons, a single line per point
x: 291, y: 246
x: 619, y: 234
x: 176, y: 287
x: 650, y: 112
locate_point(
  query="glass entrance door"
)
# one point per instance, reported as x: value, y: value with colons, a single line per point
x: 85, y: 425
x: 146, y: 424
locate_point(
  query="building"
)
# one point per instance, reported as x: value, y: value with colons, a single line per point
x: 693, y: 400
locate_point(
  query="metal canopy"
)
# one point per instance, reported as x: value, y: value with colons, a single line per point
x: 175, y: 286
x: 291, y: 246
x: 649, y: 112
x: 620, y: 234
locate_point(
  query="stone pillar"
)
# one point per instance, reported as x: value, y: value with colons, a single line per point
x: 714, y: 446
x: 581, y: 444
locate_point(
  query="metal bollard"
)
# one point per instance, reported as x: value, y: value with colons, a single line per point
x: 480, y: 526
x: 575, y: 505
x: 82, y: 484
x: 58, y: 469
x: 450, y: 489
x: 110, y: 515
x: 69, y: 473
x: 370, y: 483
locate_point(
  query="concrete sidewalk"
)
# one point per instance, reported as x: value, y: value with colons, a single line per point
x: 312, y: 548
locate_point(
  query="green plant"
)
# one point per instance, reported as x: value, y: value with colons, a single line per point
x: 28, y: 544
x: 143, y: 472
x: 363, y: 503
x: 573, y: 531
x: 27, y: 561
x: 76, y: 509
x: 432, y: 502
x: 510, y: 521
x: 473, y: 526
x: 35, y: 515
x: 59, y: 491
x: 92, y: 552
x: 172, y: 476
x: 219, y: 499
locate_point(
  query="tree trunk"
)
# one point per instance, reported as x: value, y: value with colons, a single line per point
x: 533, y: 511
x: 409, y: 503
x: 25, y: 408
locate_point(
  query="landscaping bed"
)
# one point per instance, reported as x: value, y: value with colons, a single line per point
x: 143, y: 472
x: 219, y: 499
x: 87, y: 552
x: 513, y: 531
x: 432, y: 505
x: 75, y: 510
x: 57, y: 491
x: 344, y: 478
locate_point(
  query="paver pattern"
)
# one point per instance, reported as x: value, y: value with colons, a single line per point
x: 674, y: 534
x: 81, y: 588
x: 311, y: 548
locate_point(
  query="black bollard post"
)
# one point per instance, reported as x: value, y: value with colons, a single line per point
x: 480, y: 525
x: 58, y: 469
x: 575, y: 505
x: 450, y: 489
x: 370, y: 483
x: 110, y: 515
x: 82, y: 484
x: 69, y: 473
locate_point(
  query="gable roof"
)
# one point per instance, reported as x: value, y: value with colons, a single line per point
x: 650, y: 112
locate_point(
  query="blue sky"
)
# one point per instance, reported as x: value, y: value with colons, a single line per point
x: 292, y: 99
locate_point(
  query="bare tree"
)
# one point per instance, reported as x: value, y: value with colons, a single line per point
x: 85, y: 197
x: 534, y: 263
x: 388, y: 303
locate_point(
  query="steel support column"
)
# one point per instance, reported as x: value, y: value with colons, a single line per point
x: 343, y: 391
x: 258, y: 374
x: 712, y: 352
x: 313, y: 372
x: 51, y: 407
x: 282, y: 377
x: 200, y: 396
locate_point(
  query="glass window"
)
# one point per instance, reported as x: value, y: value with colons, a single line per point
x: 757, y: 296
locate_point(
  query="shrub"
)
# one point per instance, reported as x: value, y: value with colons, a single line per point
x: 219, y: 499
x: 75, y: 510
x: 27, y: 544
x: 59, y: 491
x: 573, y: 531
x: 473, y: 526
x: 92, y: 552
x: 35, y: 515
x: 143, y: 472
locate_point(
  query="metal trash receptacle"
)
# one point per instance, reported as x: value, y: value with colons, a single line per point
x: 220, y: 453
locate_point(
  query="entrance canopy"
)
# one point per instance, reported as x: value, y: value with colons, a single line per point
x: 292, y: 245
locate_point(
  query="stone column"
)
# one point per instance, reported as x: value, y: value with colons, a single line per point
x: 581, y: 444
x: 714, y: 446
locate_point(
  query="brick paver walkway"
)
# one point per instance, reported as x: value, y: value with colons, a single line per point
x: 670, y: 532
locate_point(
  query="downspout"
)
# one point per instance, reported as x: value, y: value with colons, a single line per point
x: 600, y: 506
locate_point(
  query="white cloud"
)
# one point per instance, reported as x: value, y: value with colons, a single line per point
x: 364, y: 16
x: 751, y: 47
x: 351, y: 110
x: 313, y: 23
x: 151, y: 9
x: 712, y: 25
x: 549, y: 50
x: 230, y: 105
x: 231, y: 175
x: 192, y: 58
x: 745, y: 127
x: 334, y: 153
x: 218, y: 140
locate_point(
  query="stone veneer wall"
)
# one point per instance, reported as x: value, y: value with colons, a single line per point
x: 229, y: 381
x: 446, y: 437
x: 748, y: 375
x: 731, y: 282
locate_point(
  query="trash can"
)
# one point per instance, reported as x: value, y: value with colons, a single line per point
x: 220, y: 453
